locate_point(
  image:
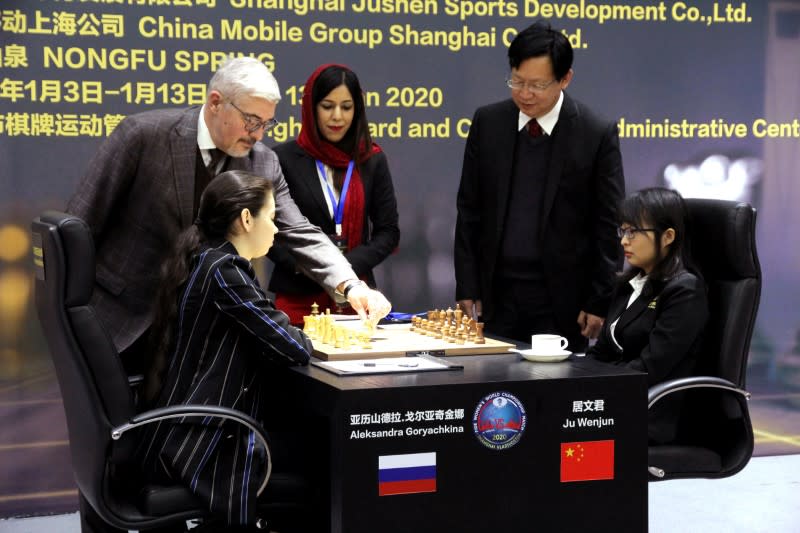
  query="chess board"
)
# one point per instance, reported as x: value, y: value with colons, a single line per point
x: 396, y: 340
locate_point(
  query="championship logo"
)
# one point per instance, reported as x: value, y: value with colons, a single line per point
x: 499, y: 420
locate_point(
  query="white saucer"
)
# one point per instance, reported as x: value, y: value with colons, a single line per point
x: 542, y: 358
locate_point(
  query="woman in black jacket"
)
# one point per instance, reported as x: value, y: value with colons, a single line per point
x: 659, y: 309
x: 340, y: 180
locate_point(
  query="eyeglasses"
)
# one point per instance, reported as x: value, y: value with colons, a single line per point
x: 630, y: 233
x: 534, y: 88
x: 252, y: 123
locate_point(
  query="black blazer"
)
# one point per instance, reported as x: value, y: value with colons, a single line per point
x: 660, y: 333
x: 381, y: 230
x: 585, y: 182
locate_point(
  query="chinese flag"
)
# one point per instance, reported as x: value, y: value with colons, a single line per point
x: 587, y: 460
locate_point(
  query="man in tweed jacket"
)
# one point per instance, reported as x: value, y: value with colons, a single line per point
x: 142, y: 188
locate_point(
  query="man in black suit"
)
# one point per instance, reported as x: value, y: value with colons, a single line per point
x: 536, y: 249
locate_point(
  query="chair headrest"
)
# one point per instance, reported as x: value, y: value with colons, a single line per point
x: 723, y: 238
x: 78, y: 249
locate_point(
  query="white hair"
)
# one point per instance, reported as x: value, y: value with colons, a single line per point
x: 245, y: 76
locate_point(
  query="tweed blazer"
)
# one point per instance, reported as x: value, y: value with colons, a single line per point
x: 381, y: 233
x: 577, y: 227
x: 137, y: 195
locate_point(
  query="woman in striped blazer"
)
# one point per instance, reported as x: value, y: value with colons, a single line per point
x: 218, y: 340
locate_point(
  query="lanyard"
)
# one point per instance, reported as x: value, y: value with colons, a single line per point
x: 338, y: 208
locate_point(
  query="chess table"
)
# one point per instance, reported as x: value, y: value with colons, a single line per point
x: 352, y: 423
x: 397, y: 340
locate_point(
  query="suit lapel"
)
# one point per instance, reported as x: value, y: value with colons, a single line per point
x: 505, y: 141
x: 183, y: 149
x: 562, y: 134
x: 640, y: 305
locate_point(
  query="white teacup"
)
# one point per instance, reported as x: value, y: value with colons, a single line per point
x: 548, y: 344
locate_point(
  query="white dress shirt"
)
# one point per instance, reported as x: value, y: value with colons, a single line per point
x: 547, y: 121
x: 638, y: 284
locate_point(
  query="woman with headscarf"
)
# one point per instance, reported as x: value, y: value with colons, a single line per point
x: 341, y: 182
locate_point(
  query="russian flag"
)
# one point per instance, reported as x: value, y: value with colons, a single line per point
x: 406, y: 474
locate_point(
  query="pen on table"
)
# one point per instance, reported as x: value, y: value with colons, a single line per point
x: 408, y: 365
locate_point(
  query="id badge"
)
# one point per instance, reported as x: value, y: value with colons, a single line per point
x: 340, y: 241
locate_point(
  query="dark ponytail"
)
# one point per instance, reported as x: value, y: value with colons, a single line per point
x: 220, y: 206
x: 174, y: 272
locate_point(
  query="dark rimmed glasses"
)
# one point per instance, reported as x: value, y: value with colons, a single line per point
x: 252, y: 123
x: 630, y: 233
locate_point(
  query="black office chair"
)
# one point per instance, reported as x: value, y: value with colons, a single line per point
x: 715, y: 435
x: 98, y: 400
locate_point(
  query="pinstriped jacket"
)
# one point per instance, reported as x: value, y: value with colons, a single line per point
x: 228, y: 338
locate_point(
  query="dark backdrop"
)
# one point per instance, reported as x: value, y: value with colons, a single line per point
x: 738, y: 63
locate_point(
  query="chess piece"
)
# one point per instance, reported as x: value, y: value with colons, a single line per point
x: 479, y: 338
x: 314, y: 308
x: 370, y: 327
x: 451, y: 337
x: 365, y: 341
x: 323, y: 330
x: 346, y: 338
x: 328, y: 328
x: 311, y: 322
x: 337, y: 337
x: 317, y: 319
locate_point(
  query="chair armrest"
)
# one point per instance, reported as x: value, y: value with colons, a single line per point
x: 660, y: 390
x: 181, y: 411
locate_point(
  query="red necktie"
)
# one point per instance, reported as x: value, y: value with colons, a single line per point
x: 534, y: 129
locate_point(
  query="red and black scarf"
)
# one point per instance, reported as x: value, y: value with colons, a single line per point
x: 330, y: 155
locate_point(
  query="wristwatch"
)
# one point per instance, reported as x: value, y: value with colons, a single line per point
x: 348, y: 286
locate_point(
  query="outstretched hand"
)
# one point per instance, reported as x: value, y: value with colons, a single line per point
x: 371, y: 305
